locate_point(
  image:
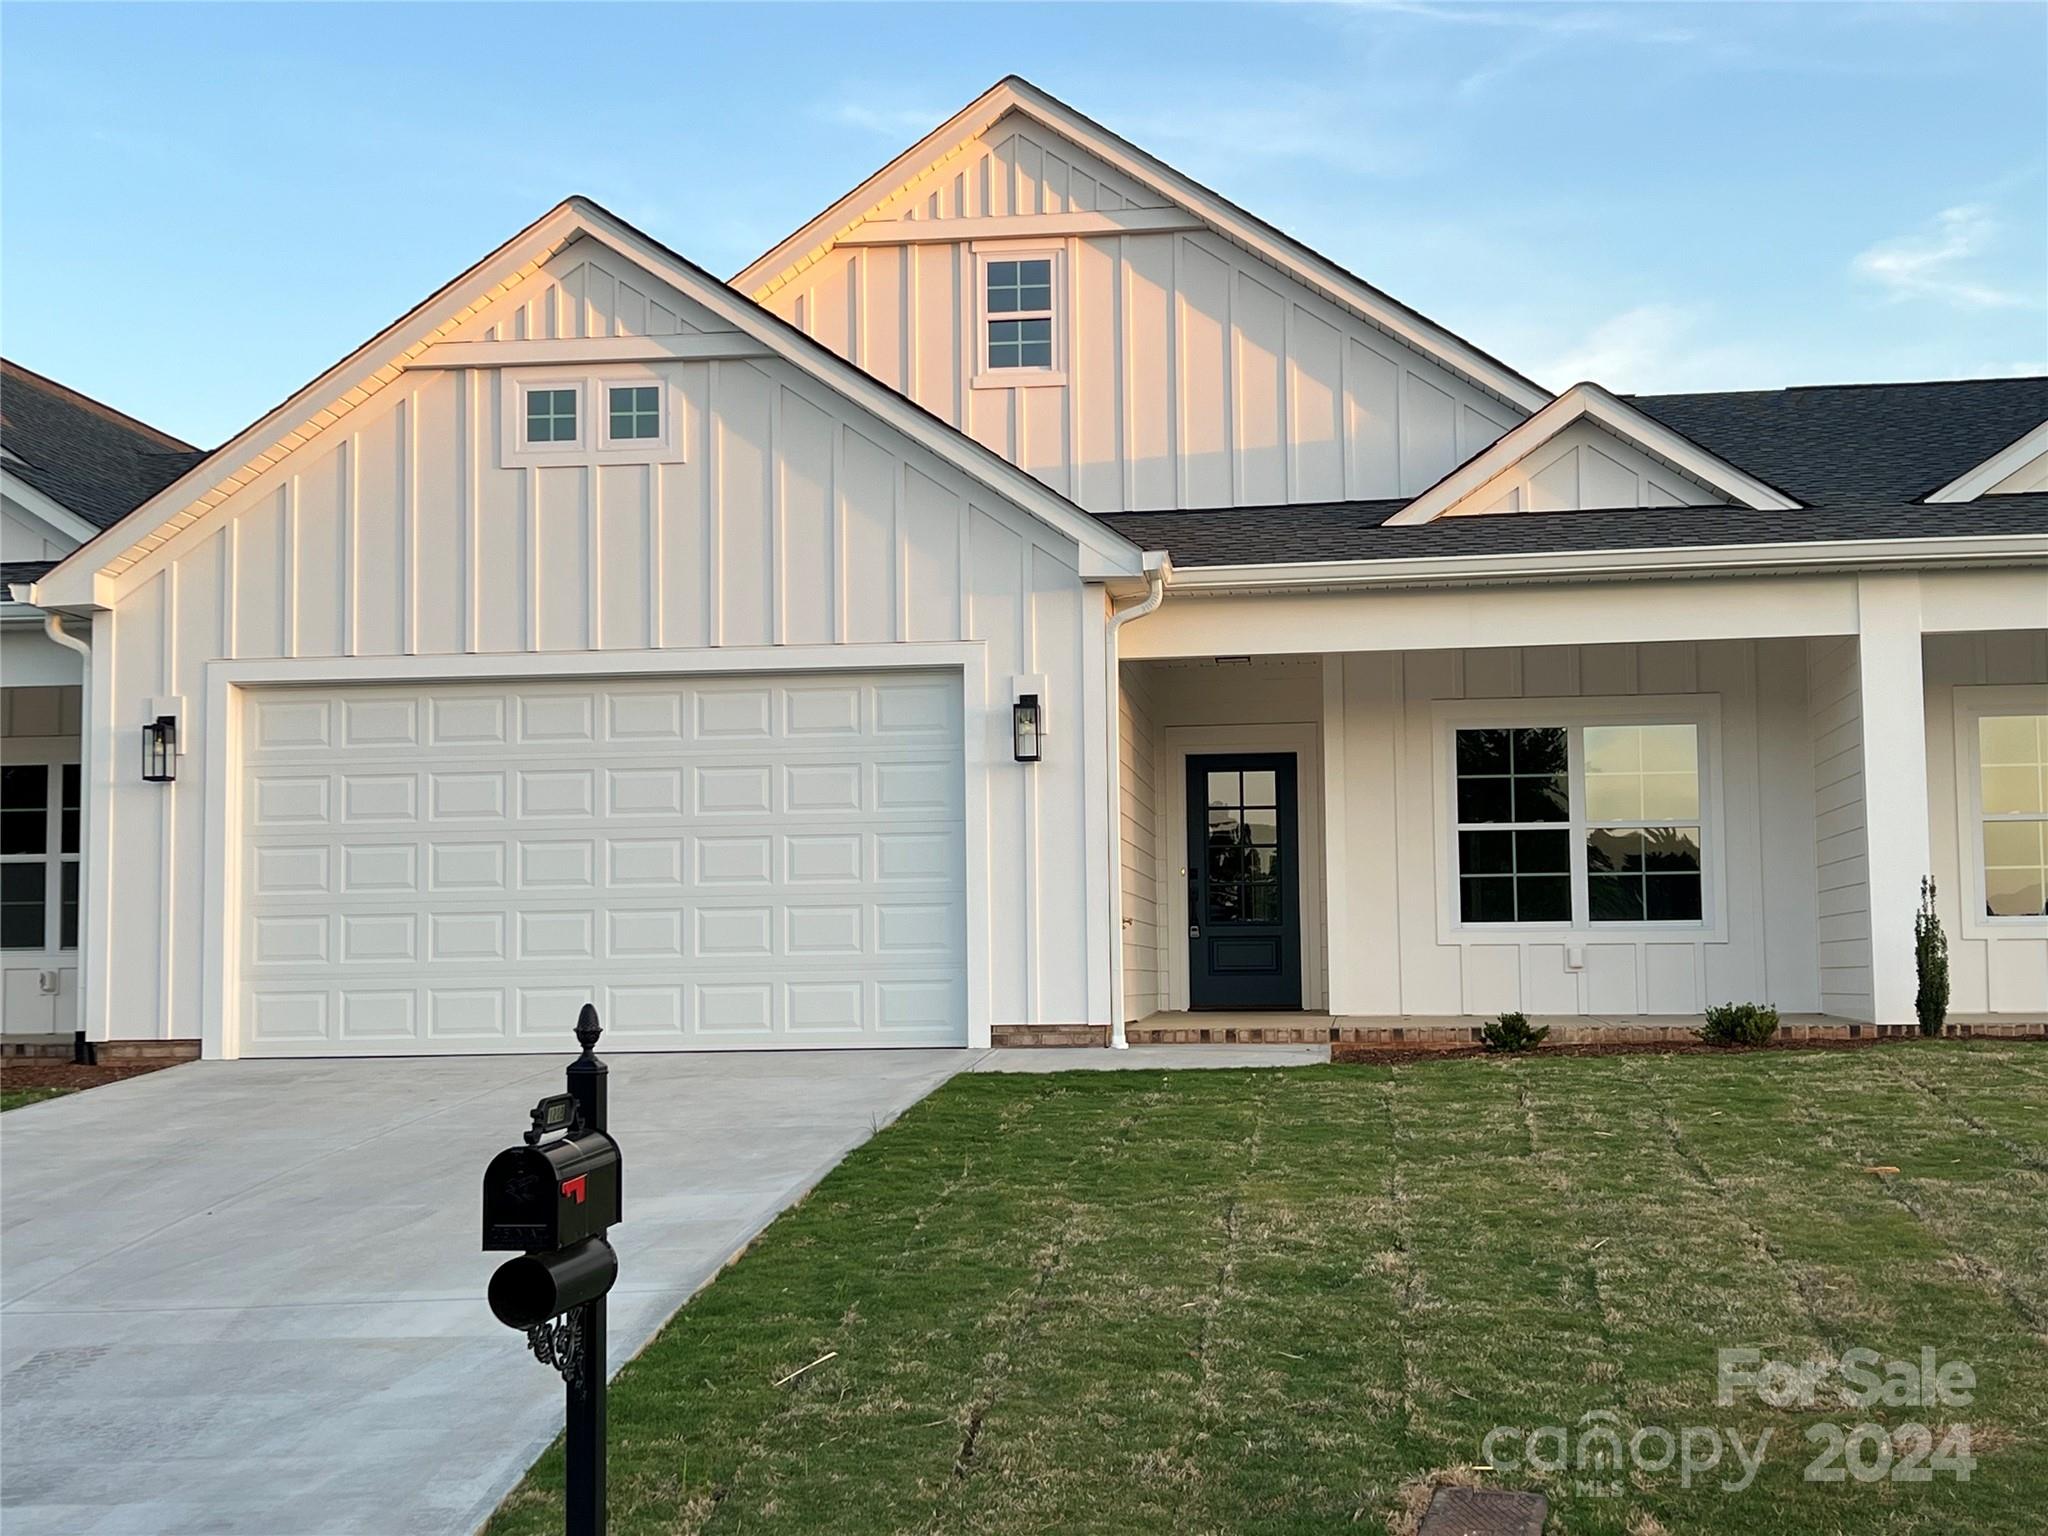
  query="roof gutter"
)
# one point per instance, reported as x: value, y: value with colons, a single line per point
x: 1594, y: 565
x: 1158, y: 573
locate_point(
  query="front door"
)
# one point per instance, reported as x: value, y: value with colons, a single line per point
x: 1244, y: 896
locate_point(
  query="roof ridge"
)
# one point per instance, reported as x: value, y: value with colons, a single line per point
x: 1799, y: 389
x: 99, y: 407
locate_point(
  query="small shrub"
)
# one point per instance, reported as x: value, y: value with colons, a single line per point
x: 1512, y: 1032
x: 1930, y: 960
x: 1739, y: 1024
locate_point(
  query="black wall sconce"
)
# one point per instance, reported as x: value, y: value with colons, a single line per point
x: 160, y: 750
x: 1028, y: 729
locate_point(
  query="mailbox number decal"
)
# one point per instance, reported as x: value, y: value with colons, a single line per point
x: 573, y: 1188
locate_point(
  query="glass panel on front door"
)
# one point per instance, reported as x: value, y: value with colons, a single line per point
x: 1244, y: 847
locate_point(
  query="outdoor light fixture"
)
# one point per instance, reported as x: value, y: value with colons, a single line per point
x: 1029, y: 729
x: 160, y: 750
x: 1027, y: 718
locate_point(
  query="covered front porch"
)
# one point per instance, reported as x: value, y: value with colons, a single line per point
x: 1630, y: 803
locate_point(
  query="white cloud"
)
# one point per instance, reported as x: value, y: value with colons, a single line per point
x: 1655, y: 348
x: 1933, y: 263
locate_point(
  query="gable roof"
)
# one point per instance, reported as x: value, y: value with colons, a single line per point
x: 85, y: 576
x: 94, y: 461
x: 1831, y: 443
x: 2014, y: 459
x: 816, y: 236
x: 1588, y: 401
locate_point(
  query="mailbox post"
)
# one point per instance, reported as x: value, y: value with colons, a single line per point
x: 552, y: 1199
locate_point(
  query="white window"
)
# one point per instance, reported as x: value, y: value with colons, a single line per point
x: 551, y: 414
x: 1019, y: 308
x: 1588, y: 824
x: 633, y: 412
x: 2012, y: 809
x: 39, y: 856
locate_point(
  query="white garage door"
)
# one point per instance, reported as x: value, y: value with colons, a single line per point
x: 731, y: 862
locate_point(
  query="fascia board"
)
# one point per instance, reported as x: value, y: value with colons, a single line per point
x: 1861, y: 554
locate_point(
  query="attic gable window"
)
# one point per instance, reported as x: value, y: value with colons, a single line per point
x: 635, y: 412
x: 1019, y: 306
x: 551, y: 415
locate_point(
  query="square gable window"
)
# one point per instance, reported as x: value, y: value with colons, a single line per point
x: 551, y: 415
x: 635, y: 412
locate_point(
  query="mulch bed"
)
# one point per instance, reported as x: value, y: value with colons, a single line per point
x: 30, y: 1073
x: 1365, y: 1053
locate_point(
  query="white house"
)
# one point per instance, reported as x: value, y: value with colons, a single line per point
x: 601, y: 630
x: 69, y: 467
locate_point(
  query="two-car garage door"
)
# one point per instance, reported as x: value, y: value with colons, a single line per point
x: 728, y: 862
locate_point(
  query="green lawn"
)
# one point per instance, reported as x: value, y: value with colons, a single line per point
x: 14, y: 1098
x: 1274, y: 1301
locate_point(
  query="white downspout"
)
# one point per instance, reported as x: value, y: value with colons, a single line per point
x: 1158, y: 571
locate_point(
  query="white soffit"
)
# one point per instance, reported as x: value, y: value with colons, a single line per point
x: 811, y: 241
x: 1976, y: 481
x: 1588, y: 401
x: 92, y: 575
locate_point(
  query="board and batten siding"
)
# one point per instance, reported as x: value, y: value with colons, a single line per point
x: 1585, y: 466
x: 795, y: 518
x: 1189, y: 373
x: 1395, y: 957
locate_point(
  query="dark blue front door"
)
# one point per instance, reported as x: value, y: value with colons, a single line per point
x: 1244, y: 895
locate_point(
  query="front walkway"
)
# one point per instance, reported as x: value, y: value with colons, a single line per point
x: 246, y: 1297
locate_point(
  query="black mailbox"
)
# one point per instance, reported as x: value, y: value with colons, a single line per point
x: 552, y: 1194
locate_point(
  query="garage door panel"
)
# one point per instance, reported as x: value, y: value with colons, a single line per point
x: 723, y: 862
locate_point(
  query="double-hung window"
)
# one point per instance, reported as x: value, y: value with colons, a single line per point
x: 1017, y: 313
x: 1567, y: 825
x: 2012, y: 800
x: 39, y: 830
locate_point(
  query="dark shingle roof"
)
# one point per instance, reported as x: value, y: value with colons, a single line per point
x: 1832, y: 444
x: 22, y: 571
x: 1858, y: 457
x: 1358, y: 531
x: 87, y: 457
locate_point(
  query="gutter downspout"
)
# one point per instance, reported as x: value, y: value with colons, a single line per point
x: 1158, y: 572
x: 53, y: 626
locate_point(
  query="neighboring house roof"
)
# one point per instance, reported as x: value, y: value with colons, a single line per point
x: 1828, y: 443
x: 1858, y: 457
x: 816, y: 236
x: 384, y: 357
x: 94, y: 461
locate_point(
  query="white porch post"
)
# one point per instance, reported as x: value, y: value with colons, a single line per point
x: 1342, y: 954
x: 1896, y: 823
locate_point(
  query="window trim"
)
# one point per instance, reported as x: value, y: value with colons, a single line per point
x: 1971, y: 704
x: 531, y: 386
x: 663, y: 411
x: 594, y: 443
x: 1701, y: 711
x: 984, y: 375
x: 56, y: 756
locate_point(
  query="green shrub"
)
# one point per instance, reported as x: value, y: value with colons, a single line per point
x: 1512, y: 1032
x: 1739, y: 1024
x: 1930, y: 959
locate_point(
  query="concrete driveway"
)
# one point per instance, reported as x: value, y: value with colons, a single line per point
x: 247, y: 1296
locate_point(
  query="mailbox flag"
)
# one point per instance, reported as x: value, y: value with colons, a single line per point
x: 572, y: 1189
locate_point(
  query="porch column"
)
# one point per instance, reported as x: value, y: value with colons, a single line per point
x: 1894, y: 730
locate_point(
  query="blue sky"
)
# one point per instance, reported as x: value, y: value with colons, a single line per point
x: 203, y: 206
